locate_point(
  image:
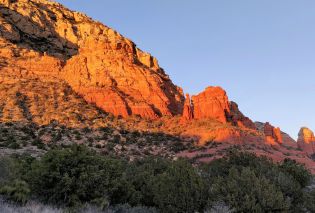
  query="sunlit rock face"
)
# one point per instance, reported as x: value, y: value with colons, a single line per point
x: 273, y: 134
x: 188, y: 113
x: 99, y: 63
x: 306, y: 140
x: 237, y: 118
x: 212, y: 103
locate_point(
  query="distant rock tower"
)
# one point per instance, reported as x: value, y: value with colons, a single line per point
x: 188, y: 112
x: 273, y: 134
x: 306, y: 140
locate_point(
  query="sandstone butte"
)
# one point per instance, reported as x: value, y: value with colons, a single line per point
x: 306, y: 140
x: 42, y: 39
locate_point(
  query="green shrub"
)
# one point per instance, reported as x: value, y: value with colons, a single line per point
x: 310, y: 201
x: 248, y: 193
x: 169, y: 186
x: 287, y: 178
x: 179, y: 189
x: 14, y: 145
x: 73, y: 176
x: 17, y: 191
x: 297, y: 171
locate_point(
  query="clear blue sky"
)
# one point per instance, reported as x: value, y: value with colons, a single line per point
x: 262, y: 52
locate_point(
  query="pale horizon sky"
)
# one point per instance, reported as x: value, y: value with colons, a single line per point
x: 261, y: 52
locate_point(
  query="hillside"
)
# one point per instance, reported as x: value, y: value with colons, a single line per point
x: 68, y: 79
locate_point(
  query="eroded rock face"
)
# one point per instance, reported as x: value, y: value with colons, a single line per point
x: 188, y: 113
x: 306, y: 140
x: 99, y: 63
x: 273, y: 134
x: 212, y: 103
x: 114, y: 79
x: 237, y: 118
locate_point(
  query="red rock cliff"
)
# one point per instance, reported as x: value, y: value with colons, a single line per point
x: 212, y: 103
x: 237, y: 118
x: 99, y: 63
x: 273, y: 134
x: 188, y: 113
x: 306, y: 140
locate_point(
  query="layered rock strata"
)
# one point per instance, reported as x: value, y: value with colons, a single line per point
x: 306, y: 140
x: 101, y: 65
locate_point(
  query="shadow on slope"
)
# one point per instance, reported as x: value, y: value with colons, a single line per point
x: 26, y: 33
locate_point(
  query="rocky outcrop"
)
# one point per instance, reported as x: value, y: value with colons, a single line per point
x: 273, y: 134
x: 212, y: 103
x: 288, y: 140
x: 188, y: 113
x: 100, y: 64
x: 306, y: 141
x: 237, y: 118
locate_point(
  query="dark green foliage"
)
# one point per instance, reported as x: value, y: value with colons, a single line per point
x: 12, y: 171
x: 297, y: 171
x: 73, y: 176
x: 128, y: 209
x: 38, y: 143
x: 17, y: 191
x: 14, y: 145
x: 248, y: 193
x: 5, y: 170
x: 310, y: 201
x: 179, y: 189
x: 255, y: 184
x: 171, y: 186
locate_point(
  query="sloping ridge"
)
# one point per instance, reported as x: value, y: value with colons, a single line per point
x: 46, y: 51
x: 100, y: 64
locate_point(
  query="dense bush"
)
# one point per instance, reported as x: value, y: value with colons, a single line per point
x: 310, y: 201
x: 297, y: 171
x: 247, y: 192
x: 75, y: 176
x: 255, y: 184
x: 171, y: 186
x: 17, y: 191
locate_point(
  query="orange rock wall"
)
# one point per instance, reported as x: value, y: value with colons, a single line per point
x: 212, y: 103
x: 306, y: 140
x: 101, y: 65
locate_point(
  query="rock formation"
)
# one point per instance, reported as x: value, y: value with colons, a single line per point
x: 49, y: 55
x: 273, y: 134
x: 306, y: 141
x: 237, y: 118
x: 188, y: 113
x: 101, y: 65
x: 212, y: 103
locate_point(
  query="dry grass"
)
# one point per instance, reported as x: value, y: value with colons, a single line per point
x: 35, y: 207
x: 31, y: 207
